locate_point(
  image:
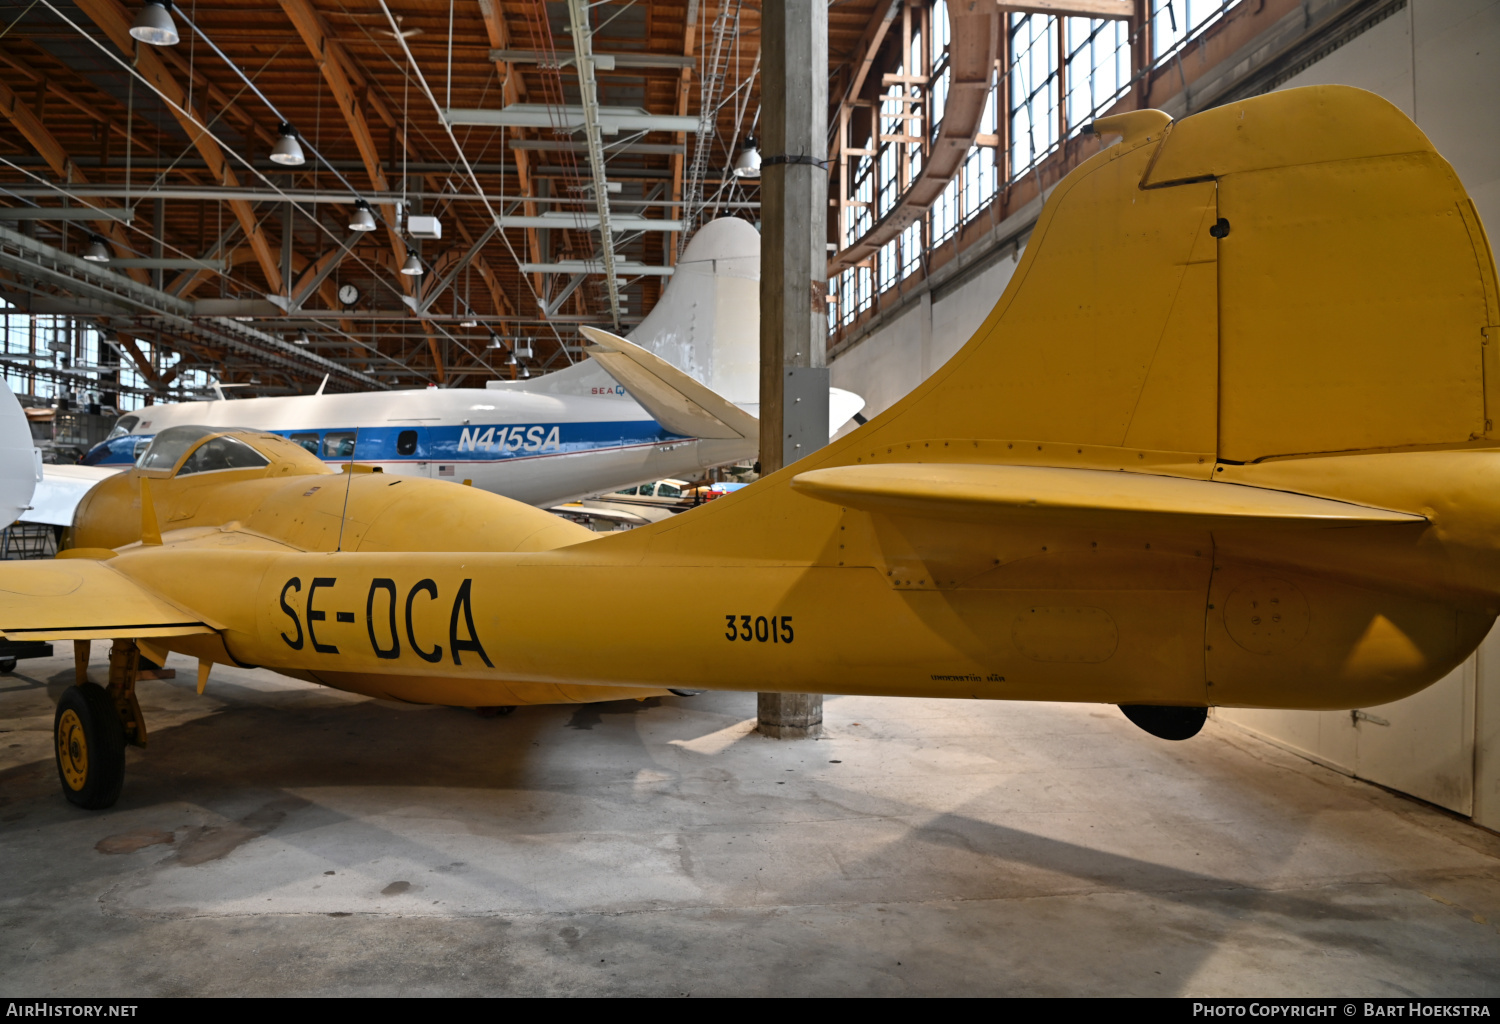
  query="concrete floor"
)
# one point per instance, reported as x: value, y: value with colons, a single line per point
x: 280, y: 838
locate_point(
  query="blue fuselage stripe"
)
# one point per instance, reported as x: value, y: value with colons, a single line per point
x: 441, y: 443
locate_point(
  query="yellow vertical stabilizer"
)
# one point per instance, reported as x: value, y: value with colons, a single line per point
x: 1297, y: 273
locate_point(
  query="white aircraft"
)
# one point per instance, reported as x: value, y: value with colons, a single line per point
x: 693, y: 393
x: 20, y: 461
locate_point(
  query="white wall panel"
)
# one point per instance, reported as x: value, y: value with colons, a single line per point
x: 905, y: 351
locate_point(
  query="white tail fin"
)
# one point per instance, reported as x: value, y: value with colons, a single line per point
x: 706, y: 323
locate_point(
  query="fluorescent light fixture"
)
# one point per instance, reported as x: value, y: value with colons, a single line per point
x: 413, y: 266
x: 97, y: 251
x: 287, y: 151
x: 363, y: 219
x: 154, y: 24
x: 611, y: 120
x: 747, y: 164
x: 622, y: 268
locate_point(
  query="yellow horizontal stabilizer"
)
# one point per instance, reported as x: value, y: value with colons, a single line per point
x: 77, y: 599
x: 987, y: 493
x: 675, y: 400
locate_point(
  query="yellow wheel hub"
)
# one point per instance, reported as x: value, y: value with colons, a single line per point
x: 72, y: 750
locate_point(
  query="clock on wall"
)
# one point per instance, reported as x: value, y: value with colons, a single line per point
x: 348, y: 295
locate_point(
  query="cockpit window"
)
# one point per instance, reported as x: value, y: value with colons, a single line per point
x: 223, y: 453
x: 170, y: 445
x: 123, y: 426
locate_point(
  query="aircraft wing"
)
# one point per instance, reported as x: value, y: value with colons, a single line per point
x: 81, y: 599
x: 60, y: 490
x: 677, y: 401
x: 980, y: 493
x: 607, y: 513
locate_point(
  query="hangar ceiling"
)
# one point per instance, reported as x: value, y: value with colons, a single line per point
x: 468, y: 112
x: 472, y: 116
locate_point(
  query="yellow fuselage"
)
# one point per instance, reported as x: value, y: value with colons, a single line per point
x: 1290, y: 293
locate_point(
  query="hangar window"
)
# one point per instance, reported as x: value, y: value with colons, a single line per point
x: 311, y: 442
x: 338, y: 444
x: 406, y: 442
x: 223, y: 453
x: 1174, y: 22
x: 1098, y: 67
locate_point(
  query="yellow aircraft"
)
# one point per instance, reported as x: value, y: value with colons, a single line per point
x: 1227, y: 438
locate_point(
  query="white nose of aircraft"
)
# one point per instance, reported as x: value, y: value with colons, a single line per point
x: 20, y: 462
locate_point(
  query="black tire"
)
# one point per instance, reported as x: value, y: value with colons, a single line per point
x: 88, y: 740
x: 7, y: 665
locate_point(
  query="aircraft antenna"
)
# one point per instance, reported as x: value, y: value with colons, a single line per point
x: 322, y: 385
x: 348, y: 485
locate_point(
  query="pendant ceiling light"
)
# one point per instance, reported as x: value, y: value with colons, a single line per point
x: 525, y: 371
x: 413, y: 266
x: 302, y: 338
x: 287, y: 151
x: 97, y: 251
x: 747, y: 164
x: 495, y: 341
x: 510, y: 360
x: 154, y: 24
x: 363, y: 219
x: 469, y: 323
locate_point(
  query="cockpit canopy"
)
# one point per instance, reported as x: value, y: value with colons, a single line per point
x: 211, y: 450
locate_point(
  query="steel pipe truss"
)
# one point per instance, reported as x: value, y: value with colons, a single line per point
x: 114, y: 294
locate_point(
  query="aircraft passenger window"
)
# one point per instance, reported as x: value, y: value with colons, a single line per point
x: 223, y: 453
x: 311, y: 442
x: 406, y: 442
x: 668, y: 491
x: 628, y: 490
x: 338, y: 444
x: 648, y: 489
